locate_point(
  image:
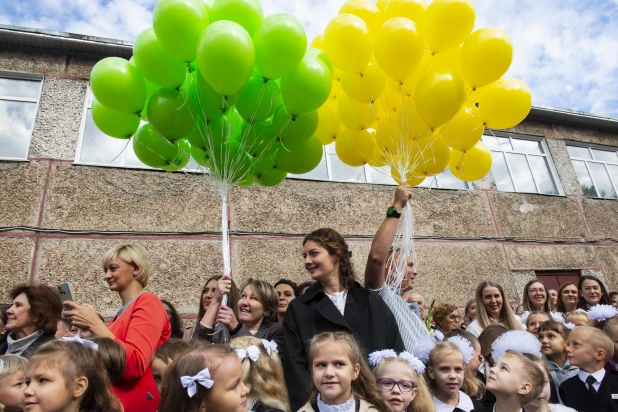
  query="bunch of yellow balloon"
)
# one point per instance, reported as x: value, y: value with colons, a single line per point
x: 414, y: 87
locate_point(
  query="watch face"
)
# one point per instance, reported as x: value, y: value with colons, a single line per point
x: 390, y: 210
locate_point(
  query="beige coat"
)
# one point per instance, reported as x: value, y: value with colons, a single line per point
x: 364, y: 407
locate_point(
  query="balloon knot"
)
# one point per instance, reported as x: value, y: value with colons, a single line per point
x: 265, y: 80
x: 274, y: 166
x: 473, y: 89
x: 362, y: 74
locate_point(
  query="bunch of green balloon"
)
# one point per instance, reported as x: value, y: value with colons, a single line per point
x: 218, y: 82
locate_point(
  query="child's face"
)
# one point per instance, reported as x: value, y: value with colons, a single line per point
x: 582, y: 353
x: 552, y: 344
x: 333, y: 372
x: 159, y: 366
x: 534, y: 321
x: 506, y: 377
x: 397, y: 399
x: 11, y: 390
x: 545, y: 394
x: 448, y: 374
x: 577, y: 320
x: 229, y: 393
x: 46, y: 390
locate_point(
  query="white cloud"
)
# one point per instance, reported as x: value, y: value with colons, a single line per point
x: 566, y: 50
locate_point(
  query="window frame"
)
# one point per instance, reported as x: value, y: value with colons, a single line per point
x: 546, y: 153
x: 23, y: 76
x: 591, y: 146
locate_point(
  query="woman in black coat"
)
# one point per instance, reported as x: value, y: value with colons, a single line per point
x: 336, y: 302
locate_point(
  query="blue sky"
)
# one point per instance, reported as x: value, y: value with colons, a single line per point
x: 566, y: 50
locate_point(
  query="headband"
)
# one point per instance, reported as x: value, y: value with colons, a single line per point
x: 84, y: 342
x: 518, y: 341
x: 377, y: 357
x: 464, y: 345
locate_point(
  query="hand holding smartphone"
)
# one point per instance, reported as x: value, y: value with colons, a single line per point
x: 66, y: 293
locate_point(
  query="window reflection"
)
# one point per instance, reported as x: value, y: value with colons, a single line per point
x: 16, y: 121
x: 579, y: 152
x: 520, y: 172
x: 605, y: 156
x: 602, y: 181
x: 597, y: 172
x: 501, y: 173
x: 18, y: 88
x: 543, y: 178
x: 584, y: 178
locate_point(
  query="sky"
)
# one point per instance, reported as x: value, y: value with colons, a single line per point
x: 565, y: 50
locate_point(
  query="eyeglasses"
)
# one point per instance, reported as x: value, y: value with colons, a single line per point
x: 536, y: 290
x: 454, y: 317
x: 389, y: 384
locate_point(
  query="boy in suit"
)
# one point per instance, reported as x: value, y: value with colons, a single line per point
x: 592, y: 389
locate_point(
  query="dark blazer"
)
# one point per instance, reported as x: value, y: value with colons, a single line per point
x: 366, y: 316
x: 260, y: 407
x: 574, y: 394
x: 30, y: 350
x: 269, y: 330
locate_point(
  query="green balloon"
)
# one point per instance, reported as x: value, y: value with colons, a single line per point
x: 247, y: 13
x: 152, y: 149
x: 294, y: 129
x: 267, y: 174
x: 300, y: 158
x: 280, y: 44
x: 114, y: 124
x: 221, y: 103
x: 208, y: 5
x: 225, y: 56
x: 205, y: 108
x: 150, y: 89
x: 156, y: 63
x: 257, y: 138
x: 307, y: 87
x: 201, y: 157
x: 172, y: 113
x: 178, y: 25
x: 231, y: 163
x: 320, y: 54
x: 198, y: 136
x: 259, y: 99
x: 183, y: 154
x: 246, y: 181
x: 118, y: 85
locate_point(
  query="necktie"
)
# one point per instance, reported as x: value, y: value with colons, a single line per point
x: 458, y: 410
x: 590, y: 380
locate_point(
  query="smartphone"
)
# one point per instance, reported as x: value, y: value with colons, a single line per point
x: 66, y: 293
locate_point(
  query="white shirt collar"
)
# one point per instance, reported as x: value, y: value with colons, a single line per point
x: 339, y: 298
x: 598, y: 375
x: 464, y: 403
x: 349, y: 406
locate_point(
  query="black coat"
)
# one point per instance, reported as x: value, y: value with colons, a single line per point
x: 41, y: 340
x: 574, y: 394
x: 366, y: 316
x: 269, y: 330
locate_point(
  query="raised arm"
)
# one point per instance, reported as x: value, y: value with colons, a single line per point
x: 375, y: 271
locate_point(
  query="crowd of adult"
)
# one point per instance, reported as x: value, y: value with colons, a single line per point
x: 290, y: 347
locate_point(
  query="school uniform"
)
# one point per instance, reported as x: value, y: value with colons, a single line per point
x: 576, y: 392
x: 356, y: 406
x: 365, y: 315
x: 560, y: 374
x: 463, y: 405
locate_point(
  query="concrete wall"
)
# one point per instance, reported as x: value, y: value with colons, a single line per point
x: 60, y: 217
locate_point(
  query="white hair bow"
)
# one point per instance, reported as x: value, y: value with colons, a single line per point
x: 190, y: 382
x: 84, y: 342
x: 601, y: 313
x: 270, y: 346
x: 464, y: 345
x: 375, y: 358
x: 252, y: 352
x: 518, y: 341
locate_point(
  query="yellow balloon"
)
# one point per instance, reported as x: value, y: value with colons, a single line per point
x: 485, y: 56
x: 364, y: 87
x: 398, y: 48
x: 410, y: 9
x: 465, y: 129
x: 410, y: 179
x: 328, y: 125
x: 347, y: 43
x: 354, y: 147
x: 438, y: 97
x: 382, y: 4
x: 434, y: 156
x: 472, y: 164
x: 378, y: 159
x: 356, y: 116
x: 366, y: 10
x: 505, y: 103
x: 318, y: 42
x: 397, y: 115
x: 448, y: 23
x: 335, y: 94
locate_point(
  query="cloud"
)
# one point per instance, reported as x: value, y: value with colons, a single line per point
x: 566, y: 50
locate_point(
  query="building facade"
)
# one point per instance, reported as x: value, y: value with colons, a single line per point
x: 548, y: 208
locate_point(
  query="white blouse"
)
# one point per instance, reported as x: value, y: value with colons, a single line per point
x: 339, y: 299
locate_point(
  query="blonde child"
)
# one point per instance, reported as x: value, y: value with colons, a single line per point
x: 68, y: 376
x: 449, y: 379
x: 12, y: 381
x: 340, y: 376
x: 205, y: 378
x: 577, y: 318
x: 611, y: 328
x: 262, y: 373
x: 534, y: 320
x: 400, y: 380
x: 515, y: 381
x: 164, y: 356
x: 541, y: 403
x: 553, y: 337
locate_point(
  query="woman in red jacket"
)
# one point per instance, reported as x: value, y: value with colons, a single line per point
x: 141, y: 326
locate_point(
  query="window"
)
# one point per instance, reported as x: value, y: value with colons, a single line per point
x: 522, y: 164
x: 331, y: 168
x: 596, y: 168
x: 553, y: 279
x: 96, y: 148
x: 19, y: 99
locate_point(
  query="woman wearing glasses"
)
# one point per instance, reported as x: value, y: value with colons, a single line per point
x: 446, y: 317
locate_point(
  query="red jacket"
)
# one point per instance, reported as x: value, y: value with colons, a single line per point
x: 141, y: 329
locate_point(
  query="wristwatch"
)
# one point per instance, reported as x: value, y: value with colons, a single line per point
x: 392, y: 212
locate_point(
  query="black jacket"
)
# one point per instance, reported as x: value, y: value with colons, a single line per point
x: 260, y: 407
x: 574, y: 394
x: 268, y: 330
x: 366, y: 316
x: 41, y: 340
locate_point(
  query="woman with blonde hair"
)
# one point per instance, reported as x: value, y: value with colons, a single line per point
x: 492, y: 307
x: 141, y: 326
x: 262, y: 374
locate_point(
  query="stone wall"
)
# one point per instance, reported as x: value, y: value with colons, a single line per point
x: 59, y: 218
